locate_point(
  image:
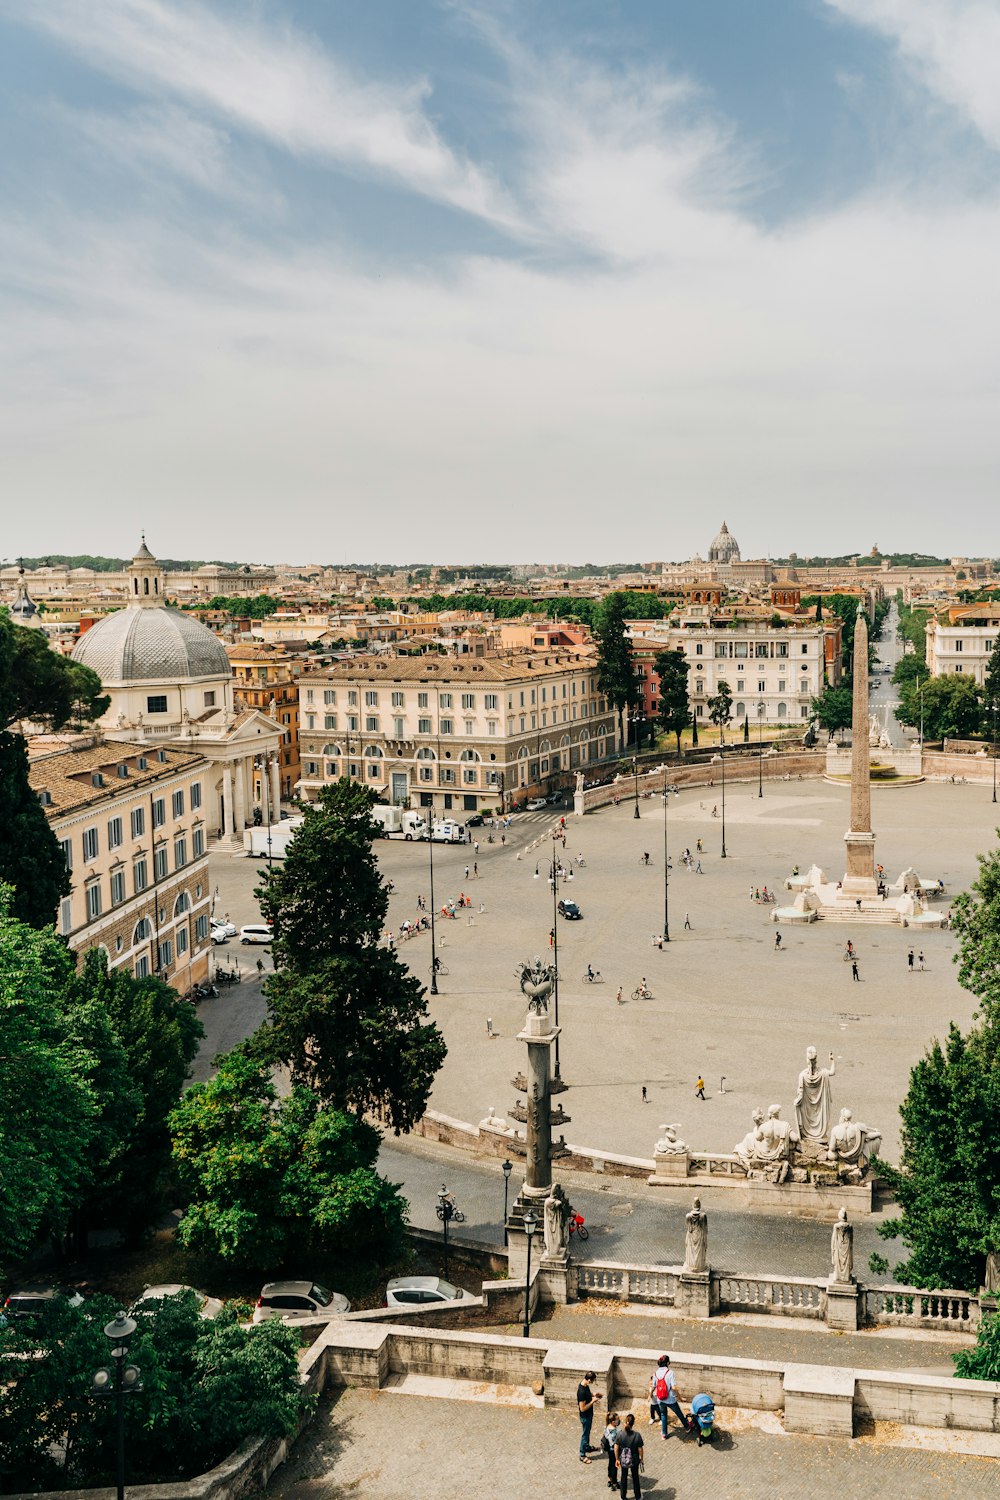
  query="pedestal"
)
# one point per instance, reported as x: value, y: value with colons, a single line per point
x: 859, y: 879
x: 842, y: 1306
x: 694, y: 1293
x: 669, y: 1170
x: 557, y: 1280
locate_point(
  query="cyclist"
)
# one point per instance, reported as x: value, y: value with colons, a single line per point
x: 590, y: 974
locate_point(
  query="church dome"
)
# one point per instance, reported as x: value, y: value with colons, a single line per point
x: 725, y: 548
x: 151, y: 645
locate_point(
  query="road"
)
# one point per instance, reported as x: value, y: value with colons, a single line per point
x: 883, y: 698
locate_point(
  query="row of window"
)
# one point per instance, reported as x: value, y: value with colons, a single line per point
x: 90, y: 837
x: 93, y: 890
x: 741, y: 708
x: 156, y: 703
x: 467, y: 701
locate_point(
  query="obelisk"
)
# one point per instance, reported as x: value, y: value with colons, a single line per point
x: 860, y: 877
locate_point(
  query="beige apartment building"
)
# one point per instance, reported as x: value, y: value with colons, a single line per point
x: 131, y: 822
x: 962, y: 640
x: 454, y: 734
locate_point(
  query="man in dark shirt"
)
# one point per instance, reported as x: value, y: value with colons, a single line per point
x: 585, y: 1400
x: 628, y: 1453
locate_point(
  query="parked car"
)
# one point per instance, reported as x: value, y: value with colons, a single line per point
x: 535, y: 804
x: 474, y: 820
x: 292, y: 1300
x: 569, y: 910
x: 33, y: 1301
x: 218, y: 936
x: 224, y: 925
x: 409, y: 1291
x: 555, y: 800
x: 208, y: 1307
x: 256, y: 932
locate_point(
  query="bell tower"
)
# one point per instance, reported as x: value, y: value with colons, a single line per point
x: 145, y: 578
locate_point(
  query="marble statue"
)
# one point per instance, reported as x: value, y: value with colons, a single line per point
x: 745, y: 1150
x: 991, y: 1277
x: 696, y: 1239
x: 668, y: 1144
x: 557, y: 1212
x: 272, y: 708
x: 812, y: 1099
x: 873, y: 729
x: 842, y: 1250
x: 775, y: 1136
x: 851, y: 1145
x: 536, y: 981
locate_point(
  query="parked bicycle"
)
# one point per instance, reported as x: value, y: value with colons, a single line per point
x: 578, y: 1227
x: 438, y: 968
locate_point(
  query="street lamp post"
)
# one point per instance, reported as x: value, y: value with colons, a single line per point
x: 506, y: 1169
x: 635, y: 776
x: 445, y: 1209
x: 530, y: 1225
x: 430, y: 859
x: 722, y: 758
x: 666, y: 864
x: 760, y: 748
x: 555, y: 952
x: 920, y: 691
x: 994, y: 715
x: 121, y: 1382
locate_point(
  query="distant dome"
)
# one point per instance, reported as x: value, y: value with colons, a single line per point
x: 151, y: 645
x: 725, y: 548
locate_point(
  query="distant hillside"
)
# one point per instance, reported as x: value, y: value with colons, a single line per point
x: 866, y: 560
x: 116, y: 564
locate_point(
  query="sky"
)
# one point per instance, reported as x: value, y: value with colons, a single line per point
x: 553, y: 280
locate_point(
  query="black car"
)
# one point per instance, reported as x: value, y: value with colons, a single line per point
x: 569, y: 910
x: 476, y: 820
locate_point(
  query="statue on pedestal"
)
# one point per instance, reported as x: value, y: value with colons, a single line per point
x: 696, y: 1239
x: 668, y: 1144
x: 536, y: 980
x: 557, y: 1212
x: 812, y: 1099
x: 746, y: 1150
x: 842, y: 1250
x: 851, y: 1145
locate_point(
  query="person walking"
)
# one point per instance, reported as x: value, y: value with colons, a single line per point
x: 699, y: 1088
x: 854, y: 971
x: 920, y: 960
x: 777, y: 941
x: 663, y: 1390
x: 628, y: 1456
x: 687, y: 922
x: 586, y: 1400
x: 644, y: 1098
x: 909, y: 961
x: 620, y: 997
x: 608, y: 1447
x: 475, y: 870
x: 466, y: 872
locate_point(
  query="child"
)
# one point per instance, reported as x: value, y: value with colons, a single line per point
x: 608, y: 1448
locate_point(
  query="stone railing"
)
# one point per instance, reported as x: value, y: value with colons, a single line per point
x: 627, y: 1283
x: 715, y: 1164
x: 789, y: 1296
x: 909, y: 1307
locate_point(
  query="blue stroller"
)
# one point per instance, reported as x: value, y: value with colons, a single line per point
x: 703, y: 1417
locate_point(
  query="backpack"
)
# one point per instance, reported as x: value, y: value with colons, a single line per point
x: 661, y: 1387
x: 625, y: 1456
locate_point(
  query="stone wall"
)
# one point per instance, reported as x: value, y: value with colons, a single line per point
x: 742, y: 765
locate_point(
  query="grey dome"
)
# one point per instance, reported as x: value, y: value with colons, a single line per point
x: 151, y: 645
x: 725, y: 548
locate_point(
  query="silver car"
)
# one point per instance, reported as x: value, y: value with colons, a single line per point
x: 294, y: 1300
x: 208, y: 1307
x: 418, y: 1291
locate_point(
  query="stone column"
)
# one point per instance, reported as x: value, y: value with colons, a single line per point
x: 239, y: 793
x: 540, y: 1035
x: 276, y: 787
x: 227, y: 801
x: 859, y: 879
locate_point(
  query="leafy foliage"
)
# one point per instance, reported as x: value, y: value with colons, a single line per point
x: 975, y: 916
x: 912, y: 627
x: 982, y: 1362
x: 834, y: 708
x: 207, y: 1385
x: 952, y: 706
x: 616, y: 670
x: 38, y: 684
x: 272, y: 1179
x: 345, y: 1016
x: 720, y: 705
x: 256, y: 606
x: 674, y: 709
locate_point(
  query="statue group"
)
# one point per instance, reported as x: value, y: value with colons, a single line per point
x: 775, y: 1152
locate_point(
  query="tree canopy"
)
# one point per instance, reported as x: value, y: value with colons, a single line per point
x: 616, y: 670
x: 674, y: 709
x: 834, y: 708
x: 720, y: 705
x: 38, y: 684
x: 256, y: 606
x: 270, y: 1180
x: 344, y: 1015
x: 952, y: 706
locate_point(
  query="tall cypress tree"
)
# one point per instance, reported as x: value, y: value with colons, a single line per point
x: 616, y: 671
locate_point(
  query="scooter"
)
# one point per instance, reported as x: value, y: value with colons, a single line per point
x: 703, y: 1418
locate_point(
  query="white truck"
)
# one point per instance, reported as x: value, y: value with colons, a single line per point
x: 399, y: 822
x: 255, y: 840
x: 446, y: 832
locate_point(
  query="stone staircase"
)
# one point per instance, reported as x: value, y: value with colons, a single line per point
x: 871, y: 914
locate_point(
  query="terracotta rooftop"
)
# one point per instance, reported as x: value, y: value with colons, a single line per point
x: 67, y: 776
x: 512, y: 667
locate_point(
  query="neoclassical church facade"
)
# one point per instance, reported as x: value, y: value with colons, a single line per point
x: 170, y: 682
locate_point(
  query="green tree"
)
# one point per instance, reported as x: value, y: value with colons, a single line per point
x: 253, y: 606
x: 952, y: 706
x: 616, y: 671
x: 344, y: 1015
x: 674, y: 709
x: 36, y: 685
x: 834, y: 709
x: 991, y: 677
x: 274, y: 1179
x: 208, y: 1384
x: 720, y: 706
x: 982, y: 1362
x: 975, y: 917
x: 48, y: 1121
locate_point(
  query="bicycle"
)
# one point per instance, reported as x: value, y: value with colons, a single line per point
x: 578, y: 1227
x: 642, y: 994
x: 595, y: 977
x: 440, y: 968
x: 455, y: 1217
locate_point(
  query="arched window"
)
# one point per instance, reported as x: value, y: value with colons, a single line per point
x: 373, y: 752
x: 426, y: 753
x: 740, y: 710
x: 145, y: 585
x: 333, y: 751
x: 470, y: 755
x: 143, y: 930
x: 782, y: 710
x: 182, y: 904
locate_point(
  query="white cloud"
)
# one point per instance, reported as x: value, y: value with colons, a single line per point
x: 953, y: 47
x: 278, y: 84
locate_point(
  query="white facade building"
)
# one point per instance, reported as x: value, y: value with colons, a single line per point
x: 963, y: 641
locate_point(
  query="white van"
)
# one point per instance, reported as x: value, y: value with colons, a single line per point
x: 256, y: 932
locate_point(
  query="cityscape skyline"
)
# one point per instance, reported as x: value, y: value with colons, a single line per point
x: 529, y: 274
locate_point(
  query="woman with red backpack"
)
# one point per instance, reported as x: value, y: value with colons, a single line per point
x: 663, y: 1395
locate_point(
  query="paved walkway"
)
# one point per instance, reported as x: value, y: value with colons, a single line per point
x: 392, y: 1446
